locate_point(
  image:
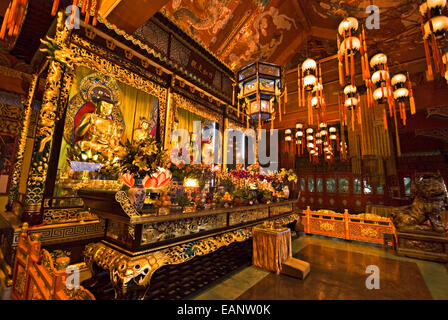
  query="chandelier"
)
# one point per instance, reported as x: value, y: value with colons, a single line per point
x: 260, y: 89
x: 434, y: 25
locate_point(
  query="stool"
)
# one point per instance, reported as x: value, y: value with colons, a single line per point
x: 296, y: 268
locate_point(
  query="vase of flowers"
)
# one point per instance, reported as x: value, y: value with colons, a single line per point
x: 141, y: 168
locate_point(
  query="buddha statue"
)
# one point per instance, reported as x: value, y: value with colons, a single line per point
x: 98, y: 136
x: 142, y: 132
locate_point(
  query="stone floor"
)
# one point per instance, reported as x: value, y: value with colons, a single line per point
x: 338, y: 271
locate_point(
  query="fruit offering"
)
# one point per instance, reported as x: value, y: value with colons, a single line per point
x: 164, y: 201
x: 227, y: 197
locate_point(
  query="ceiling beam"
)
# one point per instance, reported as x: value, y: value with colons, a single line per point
x: 287, y: 52
x: 226, y: 35
x: 303, y: 18
x: 290, y: 50
x: 107, y: 6
x: 126, y: 16
x: 324, y: 33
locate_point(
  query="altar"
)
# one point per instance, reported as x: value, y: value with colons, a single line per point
x: 136, y: 245
x: 140, y: 161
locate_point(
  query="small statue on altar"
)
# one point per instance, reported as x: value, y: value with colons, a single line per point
x: 97, y: 134
x: 142, y: 132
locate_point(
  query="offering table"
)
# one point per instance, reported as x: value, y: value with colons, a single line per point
x: 137, y: 244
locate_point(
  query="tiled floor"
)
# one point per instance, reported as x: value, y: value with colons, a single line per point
x: 338, y: 272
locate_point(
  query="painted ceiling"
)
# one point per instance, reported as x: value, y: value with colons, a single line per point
x: 286, y: 31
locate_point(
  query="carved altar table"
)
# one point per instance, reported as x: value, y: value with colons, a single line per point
x: 271, y: 248
x: 137, y: 244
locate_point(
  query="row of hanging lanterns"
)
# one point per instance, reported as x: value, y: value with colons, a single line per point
x: 321, y: 142
x: 386, y: 91
x: 16, y: 11
x: 434, y: 25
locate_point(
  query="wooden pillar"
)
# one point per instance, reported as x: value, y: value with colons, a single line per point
x: 37, y: 178
x: 18, y: 165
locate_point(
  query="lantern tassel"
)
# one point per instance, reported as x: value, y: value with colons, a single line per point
x: 97, y: 9
x: 55, y: 8
x: 386, y: 127
x: 5, y: 23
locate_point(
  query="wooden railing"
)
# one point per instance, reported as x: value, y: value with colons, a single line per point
x: 36, y: 276
x: 364, y: 227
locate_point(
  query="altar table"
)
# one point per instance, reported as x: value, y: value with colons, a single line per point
x: 271, y: 248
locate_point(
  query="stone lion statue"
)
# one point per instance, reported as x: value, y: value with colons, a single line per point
x: 431, y: 198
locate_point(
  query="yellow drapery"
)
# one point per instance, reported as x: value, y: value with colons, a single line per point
x: 186, y: 119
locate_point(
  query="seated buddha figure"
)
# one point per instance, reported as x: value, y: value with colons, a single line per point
x: 98, y: 136
x: 142, y: 132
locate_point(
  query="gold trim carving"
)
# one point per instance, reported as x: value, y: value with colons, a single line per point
x: 126, y: 270
x: 122, y: 198
x: 196, y: 108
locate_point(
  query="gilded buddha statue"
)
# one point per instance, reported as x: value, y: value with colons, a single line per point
x: 142, y: 132
x: 97, y: 134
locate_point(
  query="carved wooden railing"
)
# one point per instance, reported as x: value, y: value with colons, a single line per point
x: 364, y: 227
x: 36, y: 276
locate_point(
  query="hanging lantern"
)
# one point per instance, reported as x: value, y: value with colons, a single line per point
x: 260, y: 89
x: 378, y: 61
x: 434, y: 26
x: 381, y: 95
x: 333, y: 133
x: 349, y: 44
x: 309, y: 71
x: 288, y: 141
x: 323, y: 129
x: 435, y: 6
x: 351, y: 103
x: 379, y: 77
x: 309, y: 66
x: 350, y: 91
x: 351, y: 40
x: 317, y: 102
x: 403, y: 93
